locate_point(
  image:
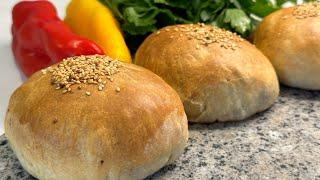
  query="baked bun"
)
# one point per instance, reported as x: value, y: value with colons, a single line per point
x: 125, y: 125
x: 290, y: 39
x: 218, y: 75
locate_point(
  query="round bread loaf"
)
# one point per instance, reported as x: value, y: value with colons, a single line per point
x: 94, y: 118
x: 218, y: 75
x: 290, y: 39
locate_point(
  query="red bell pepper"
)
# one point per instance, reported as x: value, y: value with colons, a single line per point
x: 41, y: 39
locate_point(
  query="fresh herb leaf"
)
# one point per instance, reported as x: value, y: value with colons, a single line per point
x: 238, y: 20
x: 138, y: 18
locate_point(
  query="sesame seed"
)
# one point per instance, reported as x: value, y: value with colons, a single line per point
x: 207, y: 34
x: 118, y: 89
x: 83, y: 70
x: 88, y: 93
x: 307, y: 10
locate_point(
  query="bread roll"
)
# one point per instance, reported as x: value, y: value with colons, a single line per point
x: 218, y: 75
x: 125, y: 125
x: 290, y: 39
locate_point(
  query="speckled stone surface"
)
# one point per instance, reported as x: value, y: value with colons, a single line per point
x: 280, y: 143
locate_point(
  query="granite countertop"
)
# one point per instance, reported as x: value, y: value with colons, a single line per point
x: 280, y: 143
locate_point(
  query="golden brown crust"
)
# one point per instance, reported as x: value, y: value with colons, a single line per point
x: 128, y: 134
x: 291, y: 42
x: 214, y: 82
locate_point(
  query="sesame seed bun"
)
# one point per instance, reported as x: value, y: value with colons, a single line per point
x: 290, y: 39
x: 218, y: 75
x: 129, y: 130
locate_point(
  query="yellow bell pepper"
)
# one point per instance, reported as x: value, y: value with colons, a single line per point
x: 93, y: 20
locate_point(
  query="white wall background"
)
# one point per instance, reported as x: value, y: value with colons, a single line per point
x: 10, y: 77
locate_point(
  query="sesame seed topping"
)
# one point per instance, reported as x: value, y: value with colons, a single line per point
x: 307, y: 10
x: 207, y: 34
x: 89, y: 70
x: 118, y: 89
